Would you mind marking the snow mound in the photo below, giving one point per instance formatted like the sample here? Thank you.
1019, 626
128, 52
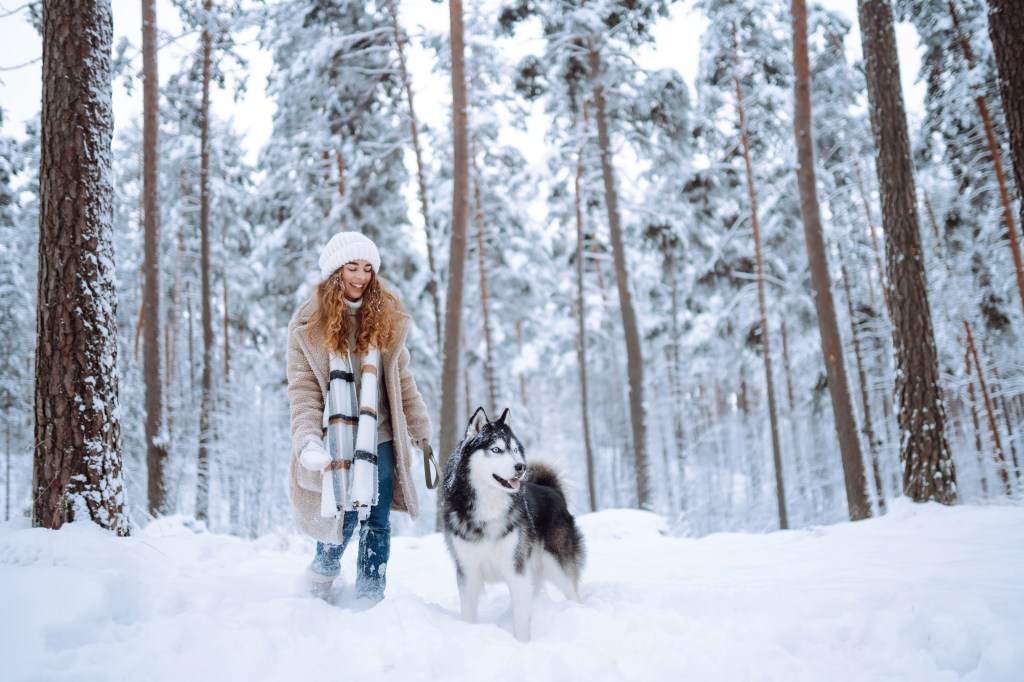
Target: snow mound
619, 524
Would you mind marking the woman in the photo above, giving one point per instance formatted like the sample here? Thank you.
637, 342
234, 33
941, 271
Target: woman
354, 409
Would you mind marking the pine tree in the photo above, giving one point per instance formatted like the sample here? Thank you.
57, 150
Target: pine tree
929, 472
156, 451
77, 468
817, 255
457, 245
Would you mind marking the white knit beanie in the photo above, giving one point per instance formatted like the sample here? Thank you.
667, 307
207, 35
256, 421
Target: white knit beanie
346, 247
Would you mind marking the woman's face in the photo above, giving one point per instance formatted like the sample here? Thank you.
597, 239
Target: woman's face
355, 277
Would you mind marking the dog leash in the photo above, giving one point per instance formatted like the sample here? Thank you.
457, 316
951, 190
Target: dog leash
428, 460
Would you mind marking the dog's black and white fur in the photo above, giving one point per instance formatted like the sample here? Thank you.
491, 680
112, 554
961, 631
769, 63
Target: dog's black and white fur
505, 521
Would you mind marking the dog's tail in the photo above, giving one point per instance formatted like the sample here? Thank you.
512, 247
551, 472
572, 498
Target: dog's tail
548, 475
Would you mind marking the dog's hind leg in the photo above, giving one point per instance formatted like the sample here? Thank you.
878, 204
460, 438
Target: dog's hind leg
520, 588
568, 583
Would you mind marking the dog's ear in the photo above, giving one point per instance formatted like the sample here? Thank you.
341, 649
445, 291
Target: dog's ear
476, 422
505, 418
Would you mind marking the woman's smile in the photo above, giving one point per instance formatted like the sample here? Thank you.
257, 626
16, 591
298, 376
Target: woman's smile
355, 276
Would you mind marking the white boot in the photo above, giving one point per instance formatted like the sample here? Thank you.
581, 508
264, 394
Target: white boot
319, 585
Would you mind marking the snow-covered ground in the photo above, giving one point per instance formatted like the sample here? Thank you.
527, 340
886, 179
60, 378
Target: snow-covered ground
925, 593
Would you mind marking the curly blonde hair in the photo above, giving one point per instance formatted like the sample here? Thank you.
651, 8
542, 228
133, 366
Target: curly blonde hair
378, 316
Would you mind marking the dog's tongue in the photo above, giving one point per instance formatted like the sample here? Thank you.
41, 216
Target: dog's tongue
513, 483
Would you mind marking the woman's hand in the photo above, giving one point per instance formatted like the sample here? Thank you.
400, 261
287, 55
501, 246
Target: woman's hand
419, 443
314, 457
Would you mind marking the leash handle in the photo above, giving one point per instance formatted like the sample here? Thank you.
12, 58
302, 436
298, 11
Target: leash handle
428, 460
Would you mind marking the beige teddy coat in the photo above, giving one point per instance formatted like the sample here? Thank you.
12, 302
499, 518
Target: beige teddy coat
308, 364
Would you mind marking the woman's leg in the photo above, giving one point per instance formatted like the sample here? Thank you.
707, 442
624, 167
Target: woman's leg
375, 532
327, 562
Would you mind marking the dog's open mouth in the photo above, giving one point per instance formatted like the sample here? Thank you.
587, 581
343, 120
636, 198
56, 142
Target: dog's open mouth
512, 483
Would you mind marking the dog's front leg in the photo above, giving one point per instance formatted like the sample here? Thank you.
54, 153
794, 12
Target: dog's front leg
470, 584
520, 588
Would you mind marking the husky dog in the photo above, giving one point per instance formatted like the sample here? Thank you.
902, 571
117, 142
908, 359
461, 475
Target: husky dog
507, 522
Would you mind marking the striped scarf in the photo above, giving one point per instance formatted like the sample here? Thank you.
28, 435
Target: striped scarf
350, 425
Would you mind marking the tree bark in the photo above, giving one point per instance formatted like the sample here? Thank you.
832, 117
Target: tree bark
773, 414
929, 472
634, 354
206, 401
156, 449
457, 244
76, 471
857, 501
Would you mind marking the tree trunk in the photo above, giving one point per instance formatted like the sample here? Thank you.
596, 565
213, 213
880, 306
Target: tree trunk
421, 180
798, 457
675, 375
977, 426
773, 415
857, 500
581, 337
478, 213
634, 354
457, 246
997, 163
929, 472
76, 472
206, 402
865, 396
156, 448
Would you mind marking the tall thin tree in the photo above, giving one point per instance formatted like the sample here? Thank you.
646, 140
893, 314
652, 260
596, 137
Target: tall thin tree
156, 450
206, 402
634, 353
928, 469
766, 347
457, 244
76, 472
581, 329
857, 501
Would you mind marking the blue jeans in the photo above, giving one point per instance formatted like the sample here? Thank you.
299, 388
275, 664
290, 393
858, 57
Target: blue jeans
374, 535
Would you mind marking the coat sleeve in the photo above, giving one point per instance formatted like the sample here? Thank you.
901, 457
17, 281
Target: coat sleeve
304, 395
415, 410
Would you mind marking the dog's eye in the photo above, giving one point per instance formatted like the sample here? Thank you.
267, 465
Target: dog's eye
495, 449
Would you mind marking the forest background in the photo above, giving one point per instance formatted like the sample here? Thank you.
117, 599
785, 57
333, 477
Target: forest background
325, 144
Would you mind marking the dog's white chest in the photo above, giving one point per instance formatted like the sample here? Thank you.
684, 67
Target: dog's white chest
491, 560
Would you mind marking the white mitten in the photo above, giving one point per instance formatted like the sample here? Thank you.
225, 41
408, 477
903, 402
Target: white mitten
314, 457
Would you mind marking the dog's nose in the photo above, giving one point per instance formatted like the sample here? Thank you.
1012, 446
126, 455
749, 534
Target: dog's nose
520, 468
